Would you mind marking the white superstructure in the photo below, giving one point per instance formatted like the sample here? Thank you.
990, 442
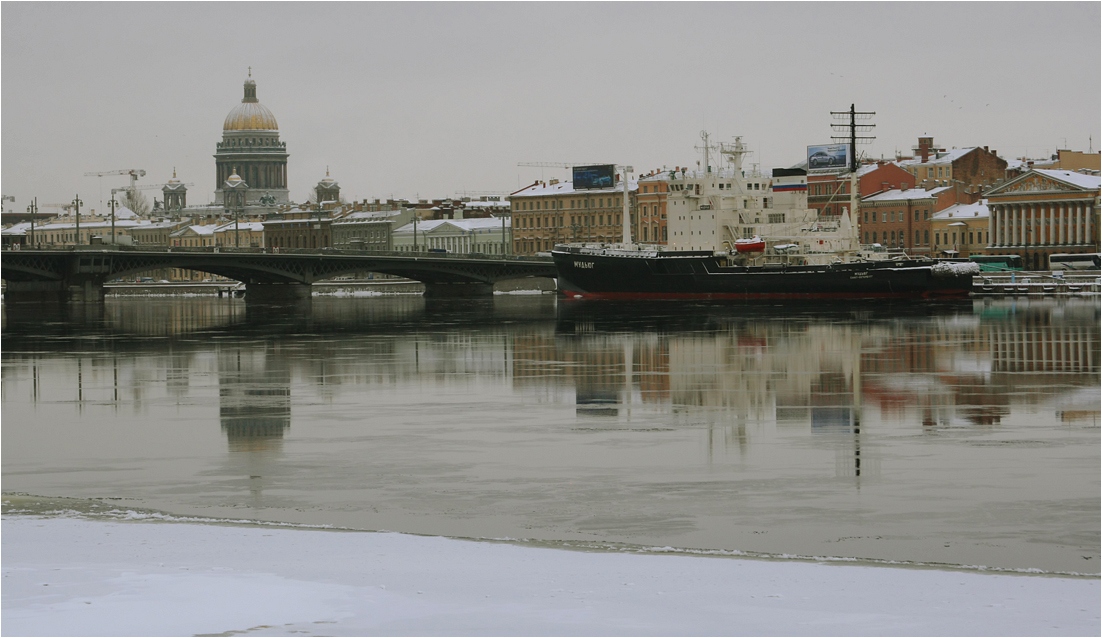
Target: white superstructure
710, 209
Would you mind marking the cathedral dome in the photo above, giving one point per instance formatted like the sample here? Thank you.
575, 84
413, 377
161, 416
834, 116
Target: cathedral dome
250, 115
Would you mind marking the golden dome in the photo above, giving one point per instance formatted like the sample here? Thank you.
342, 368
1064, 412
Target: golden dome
250, 115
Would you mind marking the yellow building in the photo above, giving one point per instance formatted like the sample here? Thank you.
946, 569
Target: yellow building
547, 213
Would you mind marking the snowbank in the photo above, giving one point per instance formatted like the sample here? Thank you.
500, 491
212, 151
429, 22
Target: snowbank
80, 577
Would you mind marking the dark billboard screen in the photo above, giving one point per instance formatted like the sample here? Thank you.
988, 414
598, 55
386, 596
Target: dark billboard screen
600, 176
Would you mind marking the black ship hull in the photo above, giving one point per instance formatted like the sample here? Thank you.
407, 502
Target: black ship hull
701, 275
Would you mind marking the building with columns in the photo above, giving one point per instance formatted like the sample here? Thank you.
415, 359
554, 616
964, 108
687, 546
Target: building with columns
250, 147
1043, 212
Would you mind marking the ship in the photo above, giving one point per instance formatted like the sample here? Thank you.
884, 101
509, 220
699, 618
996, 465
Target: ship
740, 234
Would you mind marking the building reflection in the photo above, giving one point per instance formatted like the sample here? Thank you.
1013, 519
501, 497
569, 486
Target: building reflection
970, 367
254, 409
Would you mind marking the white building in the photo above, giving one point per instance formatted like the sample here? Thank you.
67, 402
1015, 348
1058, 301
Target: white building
486, 236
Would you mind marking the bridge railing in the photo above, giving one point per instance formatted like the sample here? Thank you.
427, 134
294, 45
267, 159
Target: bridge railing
291, 251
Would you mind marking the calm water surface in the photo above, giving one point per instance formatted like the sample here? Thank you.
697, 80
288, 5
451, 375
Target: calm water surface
963, 434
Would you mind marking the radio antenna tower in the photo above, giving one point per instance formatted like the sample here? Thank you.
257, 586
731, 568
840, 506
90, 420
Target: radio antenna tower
853, 128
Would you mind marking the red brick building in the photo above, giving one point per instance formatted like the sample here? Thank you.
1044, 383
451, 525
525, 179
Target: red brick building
899, 218
974, 168
828, 194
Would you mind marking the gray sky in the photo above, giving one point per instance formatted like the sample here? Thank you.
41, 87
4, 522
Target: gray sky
430, 99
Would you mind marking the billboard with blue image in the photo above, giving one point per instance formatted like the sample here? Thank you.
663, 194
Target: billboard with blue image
828, 158
598, 176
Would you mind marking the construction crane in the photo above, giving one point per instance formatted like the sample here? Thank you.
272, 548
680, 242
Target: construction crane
67, 207
134, 174
143, 187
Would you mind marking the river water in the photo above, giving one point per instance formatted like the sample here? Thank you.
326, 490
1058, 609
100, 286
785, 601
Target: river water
963, 433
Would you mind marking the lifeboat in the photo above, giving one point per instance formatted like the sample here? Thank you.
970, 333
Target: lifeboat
753, 245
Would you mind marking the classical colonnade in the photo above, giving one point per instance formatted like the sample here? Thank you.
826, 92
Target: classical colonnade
1046, 349
1043, 223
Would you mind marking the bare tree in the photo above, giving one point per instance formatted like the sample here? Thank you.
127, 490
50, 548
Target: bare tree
135, 201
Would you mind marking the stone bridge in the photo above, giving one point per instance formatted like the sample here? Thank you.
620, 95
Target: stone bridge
79, 274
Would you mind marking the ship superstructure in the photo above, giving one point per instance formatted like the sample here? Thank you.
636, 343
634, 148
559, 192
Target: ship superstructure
712, 208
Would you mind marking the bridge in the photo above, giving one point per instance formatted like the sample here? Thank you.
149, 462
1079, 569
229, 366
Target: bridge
79, 274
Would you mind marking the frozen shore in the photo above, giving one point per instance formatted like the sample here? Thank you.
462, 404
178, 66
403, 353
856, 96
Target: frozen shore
67, 576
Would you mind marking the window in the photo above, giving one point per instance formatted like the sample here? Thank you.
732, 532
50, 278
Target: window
926, 237
916, 237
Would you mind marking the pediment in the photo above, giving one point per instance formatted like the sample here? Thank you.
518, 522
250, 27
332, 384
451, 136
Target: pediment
1034, 183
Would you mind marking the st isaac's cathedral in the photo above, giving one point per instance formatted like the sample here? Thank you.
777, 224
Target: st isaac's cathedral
250, 160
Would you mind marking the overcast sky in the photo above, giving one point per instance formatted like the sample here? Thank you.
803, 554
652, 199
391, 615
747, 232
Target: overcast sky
431, 100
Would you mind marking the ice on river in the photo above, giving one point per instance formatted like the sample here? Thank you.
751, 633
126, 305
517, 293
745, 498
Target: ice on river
66, 576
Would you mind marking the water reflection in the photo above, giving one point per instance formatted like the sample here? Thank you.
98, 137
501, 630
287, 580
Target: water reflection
939, 366
704, 425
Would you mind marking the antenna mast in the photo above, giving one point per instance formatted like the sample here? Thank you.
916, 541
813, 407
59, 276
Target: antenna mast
853, 128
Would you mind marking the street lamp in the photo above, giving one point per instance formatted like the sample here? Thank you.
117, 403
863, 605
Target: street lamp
112, 203
32, 208
77, 203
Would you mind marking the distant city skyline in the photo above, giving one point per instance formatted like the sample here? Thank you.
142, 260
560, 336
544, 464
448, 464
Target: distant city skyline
434, 100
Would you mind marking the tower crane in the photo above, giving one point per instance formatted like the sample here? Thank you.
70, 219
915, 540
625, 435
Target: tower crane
67, 207
134, 174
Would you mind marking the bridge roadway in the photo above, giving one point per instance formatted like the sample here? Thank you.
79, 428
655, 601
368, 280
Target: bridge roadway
79, 274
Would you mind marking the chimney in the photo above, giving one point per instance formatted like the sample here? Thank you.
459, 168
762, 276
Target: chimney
924, 144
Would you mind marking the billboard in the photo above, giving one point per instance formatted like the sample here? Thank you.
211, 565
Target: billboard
599, 176
829, 158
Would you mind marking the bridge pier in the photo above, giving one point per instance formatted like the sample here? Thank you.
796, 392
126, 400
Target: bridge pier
65, 291
277, 293
458, 290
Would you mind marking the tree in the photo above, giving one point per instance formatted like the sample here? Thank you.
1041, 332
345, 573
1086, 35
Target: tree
135, 201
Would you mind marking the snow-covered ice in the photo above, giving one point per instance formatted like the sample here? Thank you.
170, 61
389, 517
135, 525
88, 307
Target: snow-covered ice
71, 576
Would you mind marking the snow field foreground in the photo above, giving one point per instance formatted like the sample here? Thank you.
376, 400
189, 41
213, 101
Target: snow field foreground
65, 576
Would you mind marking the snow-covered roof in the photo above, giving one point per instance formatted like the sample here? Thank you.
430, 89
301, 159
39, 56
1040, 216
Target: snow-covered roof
196, 229
463, 225
978, 210
567, 188
21, 228
145, 224
900, 195
1071, 177
947, 157
59, 226
368, 216
250, 226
